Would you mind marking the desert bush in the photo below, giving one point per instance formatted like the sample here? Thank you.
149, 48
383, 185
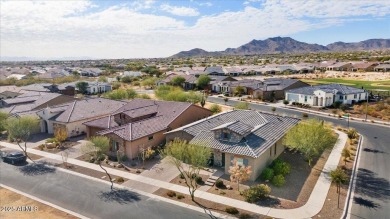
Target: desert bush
231, 210
245, 216
181, 176
352, 133
219, 183
278, 180
267, 174
256, 192
281, 168
343, 107
180, 196
305, 115
215, 108
41, 147
198, 180
334, 111
171, 193
286, 102
120, 180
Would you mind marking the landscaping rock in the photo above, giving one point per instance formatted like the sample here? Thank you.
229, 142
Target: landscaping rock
119, 165
229, 187
112, 164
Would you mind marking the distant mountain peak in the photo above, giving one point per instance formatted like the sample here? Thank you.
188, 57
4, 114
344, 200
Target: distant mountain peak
288, 45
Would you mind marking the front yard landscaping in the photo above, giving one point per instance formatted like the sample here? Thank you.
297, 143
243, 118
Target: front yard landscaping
54, 147
200, 179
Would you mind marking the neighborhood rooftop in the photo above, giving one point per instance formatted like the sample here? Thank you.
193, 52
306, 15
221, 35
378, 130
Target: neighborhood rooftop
259, 130
329, 88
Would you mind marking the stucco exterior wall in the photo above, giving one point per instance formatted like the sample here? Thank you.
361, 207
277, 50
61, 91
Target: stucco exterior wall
192, 114
257, 164
132, 148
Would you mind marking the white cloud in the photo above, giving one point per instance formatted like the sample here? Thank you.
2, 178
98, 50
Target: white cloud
179, 10
71, 29
208, 4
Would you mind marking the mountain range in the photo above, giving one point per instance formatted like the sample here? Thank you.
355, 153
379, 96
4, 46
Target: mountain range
288, 45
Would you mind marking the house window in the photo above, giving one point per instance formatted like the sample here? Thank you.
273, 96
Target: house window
341, 97
345, 97
225, 135
360, 96
355, 96
150, 138
305, 98
240, 161
115, 146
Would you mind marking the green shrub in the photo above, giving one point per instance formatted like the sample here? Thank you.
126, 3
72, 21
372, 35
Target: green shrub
267, 174
245, 216
51, 140
41, 147
124, 158
273, 109
231, 210
171, 193
278, 180
198, 180
219, 183
281, 168
215, 108
180, 196
222, 193
343, 107
256, 192
181, 176
286, 102
120, 180
305, 115
242, 106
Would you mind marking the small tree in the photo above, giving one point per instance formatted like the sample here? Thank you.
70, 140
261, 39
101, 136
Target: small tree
242, 106
3, 119
20, 130
346, 153
98, 146
178, 81
203, 81
225, 100
339, 177
145, 153
273, 109
82, 86
239, 173
239, 90
215, 108
286, 102
195, 157
310, 137
60, 135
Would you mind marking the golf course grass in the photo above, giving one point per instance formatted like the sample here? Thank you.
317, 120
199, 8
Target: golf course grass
368, 85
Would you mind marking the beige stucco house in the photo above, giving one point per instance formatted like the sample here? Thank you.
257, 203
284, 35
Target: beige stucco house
250, 137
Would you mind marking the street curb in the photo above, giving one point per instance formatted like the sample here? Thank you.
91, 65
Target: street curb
150, 195
352, 182
44, 202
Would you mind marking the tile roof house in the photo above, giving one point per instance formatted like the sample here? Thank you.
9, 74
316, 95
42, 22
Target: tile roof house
73, 114
142, 123
216, 70
31, 101
189, 83
252, 138
274, 88
326, 94
382, 67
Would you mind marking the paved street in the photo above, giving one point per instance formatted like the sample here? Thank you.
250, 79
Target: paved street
88, 197
372, 194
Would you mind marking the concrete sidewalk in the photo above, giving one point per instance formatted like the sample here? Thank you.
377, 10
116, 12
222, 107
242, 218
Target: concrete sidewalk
311, 208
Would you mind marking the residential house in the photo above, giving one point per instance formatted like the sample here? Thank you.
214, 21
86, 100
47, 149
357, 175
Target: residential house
90, 72
326, 95
189, 83
234, 71
8, 94
65, 89
142, 123
98, 87
382, 67
339, 66
132, 73
71, 115
274, 88
248, 85
363, 66
32, 101
218, 83
249, 137
216, 70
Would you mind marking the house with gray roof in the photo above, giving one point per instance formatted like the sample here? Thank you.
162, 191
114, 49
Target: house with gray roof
216, 70
72, 114
326, 94
249, 137
274, 88
141, 123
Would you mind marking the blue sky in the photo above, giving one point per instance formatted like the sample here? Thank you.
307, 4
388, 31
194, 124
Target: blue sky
152, 28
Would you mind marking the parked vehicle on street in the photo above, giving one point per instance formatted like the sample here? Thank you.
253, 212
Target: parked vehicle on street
13, 157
